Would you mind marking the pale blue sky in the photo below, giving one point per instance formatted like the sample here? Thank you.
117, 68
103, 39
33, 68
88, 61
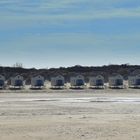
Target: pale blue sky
53, 33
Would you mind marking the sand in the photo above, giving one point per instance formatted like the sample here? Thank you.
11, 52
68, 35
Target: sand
70, 115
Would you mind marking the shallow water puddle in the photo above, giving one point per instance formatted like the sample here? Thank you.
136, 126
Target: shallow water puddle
79, 100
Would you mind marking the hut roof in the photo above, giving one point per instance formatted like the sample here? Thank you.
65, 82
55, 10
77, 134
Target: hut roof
116, 75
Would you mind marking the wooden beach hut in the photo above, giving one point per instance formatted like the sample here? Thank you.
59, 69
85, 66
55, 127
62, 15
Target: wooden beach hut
2, 81
58, 82
97, 82
77, 82
116, 81
37, 82
17, 82
134, 81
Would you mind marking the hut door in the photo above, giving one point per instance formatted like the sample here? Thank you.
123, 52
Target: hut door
59, 83
39, 83
18, 83
99, 82
79, 82
137, 81
119, 82
1, 83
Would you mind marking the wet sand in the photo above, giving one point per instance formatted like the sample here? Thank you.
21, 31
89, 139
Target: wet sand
70, 115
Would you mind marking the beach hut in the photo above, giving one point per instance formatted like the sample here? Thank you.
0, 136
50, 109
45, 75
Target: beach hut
17, 82
77, 82
58, 82
134, 81
2, 81
37, 82
116, 81
96, 81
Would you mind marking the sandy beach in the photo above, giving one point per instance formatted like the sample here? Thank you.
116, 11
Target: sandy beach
70, 115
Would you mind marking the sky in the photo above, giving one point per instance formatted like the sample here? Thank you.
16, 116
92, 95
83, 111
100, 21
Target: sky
62, 33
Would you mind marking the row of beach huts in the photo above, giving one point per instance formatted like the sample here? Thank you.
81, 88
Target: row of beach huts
58, 82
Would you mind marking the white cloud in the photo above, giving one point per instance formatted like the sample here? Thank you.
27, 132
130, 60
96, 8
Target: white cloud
66, 9
27, 13
85, 15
